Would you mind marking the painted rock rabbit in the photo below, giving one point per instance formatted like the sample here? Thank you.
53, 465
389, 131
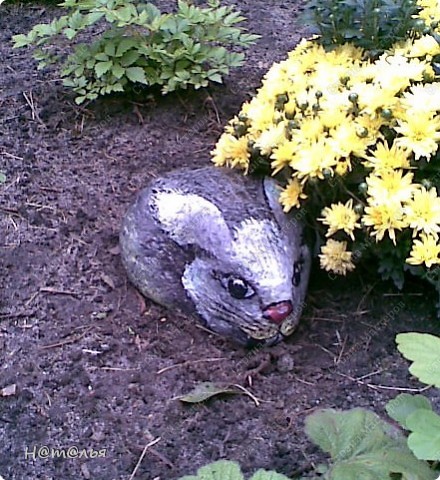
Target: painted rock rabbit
215, 243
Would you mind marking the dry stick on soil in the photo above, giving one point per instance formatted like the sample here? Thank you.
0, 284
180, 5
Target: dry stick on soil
30, 101
72, 339
189, 362
385, 387
144, 452
248, 393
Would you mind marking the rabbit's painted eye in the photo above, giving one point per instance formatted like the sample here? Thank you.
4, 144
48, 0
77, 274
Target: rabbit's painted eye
237, 287
297, 269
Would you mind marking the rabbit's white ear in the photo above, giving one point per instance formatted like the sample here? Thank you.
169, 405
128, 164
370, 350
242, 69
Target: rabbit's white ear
190, 219
272, 190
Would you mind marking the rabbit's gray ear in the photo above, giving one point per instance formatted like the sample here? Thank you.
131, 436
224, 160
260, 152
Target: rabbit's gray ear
190, 219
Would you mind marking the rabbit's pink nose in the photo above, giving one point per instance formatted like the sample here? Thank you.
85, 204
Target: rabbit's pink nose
277, 312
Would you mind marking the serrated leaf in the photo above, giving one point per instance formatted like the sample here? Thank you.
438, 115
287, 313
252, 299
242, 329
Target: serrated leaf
401, 407
102, 67
117, 70
268, 475
20, 40
362, 445
124, 45
205, 390
423, 350
424, 439
221, 470
69, 33
136, 74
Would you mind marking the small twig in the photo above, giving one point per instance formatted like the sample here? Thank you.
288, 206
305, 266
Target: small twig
30, 101
189, 362
385, 387
72, 339
248, 393
11, 156
56, 291
144, 452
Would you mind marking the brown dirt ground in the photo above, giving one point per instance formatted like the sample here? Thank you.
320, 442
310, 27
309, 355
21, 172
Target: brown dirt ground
83, 350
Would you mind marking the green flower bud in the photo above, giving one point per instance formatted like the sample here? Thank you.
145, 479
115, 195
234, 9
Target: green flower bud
386, 113
239, 129
358, 208
292, 125
353, 97
427, 183
318, 94
362, 132
315, 107
363, 187
303, 105
328, 173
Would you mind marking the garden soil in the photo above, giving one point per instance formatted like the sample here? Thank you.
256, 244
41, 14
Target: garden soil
85, 362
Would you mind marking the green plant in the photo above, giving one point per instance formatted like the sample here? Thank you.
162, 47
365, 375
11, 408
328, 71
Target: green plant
414, 412
362, 445
374, 25
135, 43
353, 140
226, 470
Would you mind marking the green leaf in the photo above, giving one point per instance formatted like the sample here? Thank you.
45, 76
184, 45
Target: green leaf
110, 48
102, 67
215, 77
117, 70
363, 446
424, 350
424, 440
69, 33
221, 470
129, 58
136, 74
2, 177
124, 45
205, 390
20, 40
268, 475
401, 407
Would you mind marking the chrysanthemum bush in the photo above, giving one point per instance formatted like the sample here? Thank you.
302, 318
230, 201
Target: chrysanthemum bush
354, 139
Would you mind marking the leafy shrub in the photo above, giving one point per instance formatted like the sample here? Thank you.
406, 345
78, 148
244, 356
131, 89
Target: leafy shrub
354, 139
371, 24
226, 470
362, 445
414, 412
139, 44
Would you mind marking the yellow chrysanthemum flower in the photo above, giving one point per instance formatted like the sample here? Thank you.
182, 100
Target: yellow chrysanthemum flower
423, 211
282, 155
231, 151
426, 250
384, 218
290, 197
384, 158
426, 45
420, 133
340, 217
312, 160
425, 98
261, 114
390, 186
345, 140
271, 138
335, 258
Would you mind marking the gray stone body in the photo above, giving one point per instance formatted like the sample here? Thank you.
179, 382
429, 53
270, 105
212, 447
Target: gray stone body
216, 244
